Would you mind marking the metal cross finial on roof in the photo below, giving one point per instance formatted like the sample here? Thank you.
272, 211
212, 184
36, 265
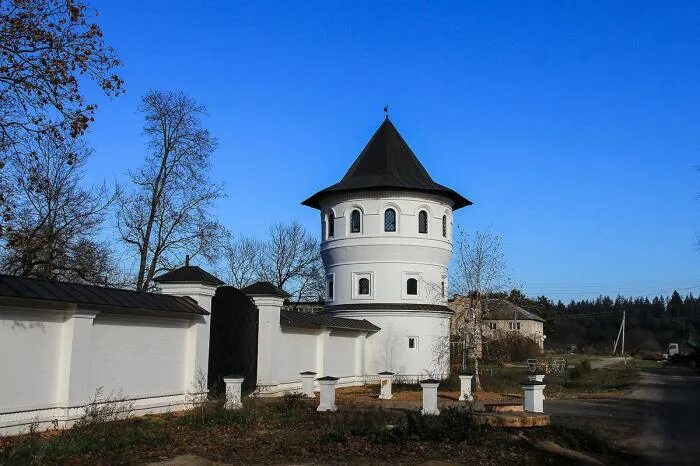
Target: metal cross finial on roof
386, 112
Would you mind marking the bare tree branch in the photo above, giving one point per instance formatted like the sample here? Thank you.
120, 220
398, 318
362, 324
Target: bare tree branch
53, 234
479, 271
166, 214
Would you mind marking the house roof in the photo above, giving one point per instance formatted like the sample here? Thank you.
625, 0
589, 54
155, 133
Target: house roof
305, 319
92, 295
500, 309
188, 274
387, 163
264, 289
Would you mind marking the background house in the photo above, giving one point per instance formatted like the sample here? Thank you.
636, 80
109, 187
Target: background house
501, 316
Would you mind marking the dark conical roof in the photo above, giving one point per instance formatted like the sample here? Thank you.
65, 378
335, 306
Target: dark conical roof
387, 162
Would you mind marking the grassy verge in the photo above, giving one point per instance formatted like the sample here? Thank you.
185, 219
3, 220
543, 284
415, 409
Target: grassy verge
290, 430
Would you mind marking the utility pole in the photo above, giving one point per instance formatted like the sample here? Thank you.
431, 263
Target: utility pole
621, 332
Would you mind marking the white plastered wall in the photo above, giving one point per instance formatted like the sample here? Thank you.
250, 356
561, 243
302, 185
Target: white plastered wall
284, 352
55, 357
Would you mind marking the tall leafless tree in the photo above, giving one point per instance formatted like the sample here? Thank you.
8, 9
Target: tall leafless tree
479, 270
291, 259
166, 214
53, 234
49, 49
243, 257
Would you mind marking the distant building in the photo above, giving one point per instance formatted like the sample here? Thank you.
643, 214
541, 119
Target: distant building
501, 316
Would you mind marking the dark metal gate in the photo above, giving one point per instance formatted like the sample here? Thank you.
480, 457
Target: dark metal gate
233, 341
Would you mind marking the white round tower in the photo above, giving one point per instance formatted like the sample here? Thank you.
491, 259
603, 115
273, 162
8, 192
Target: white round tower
386, 245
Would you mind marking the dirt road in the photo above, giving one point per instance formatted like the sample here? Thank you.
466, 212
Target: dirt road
660, 419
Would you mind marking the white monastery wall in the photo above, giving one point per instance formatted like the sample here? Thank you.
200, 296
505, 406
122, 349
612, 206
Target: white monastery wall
55, 357
285, 352
139, 356
28, 358
295, 352
339, 360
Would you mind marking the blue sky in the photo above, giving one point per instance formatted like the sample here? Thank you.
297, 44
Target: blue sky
572, 126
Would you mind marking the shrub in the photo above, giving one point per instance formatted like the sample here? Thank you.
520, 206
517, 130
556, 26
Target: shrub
583, 368
510, 347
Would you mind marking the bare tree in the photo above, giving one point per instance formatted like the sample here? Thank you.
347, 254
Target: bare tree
53, 234
479, 270
291, 260
243, 257
166, 214
47, 49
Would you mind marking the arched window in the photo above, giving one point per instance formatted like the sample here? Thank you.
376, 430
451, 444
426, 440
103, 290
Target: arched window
444, 226
331, 224
363, 286
423, 222
355, 221
389, 220
412, 286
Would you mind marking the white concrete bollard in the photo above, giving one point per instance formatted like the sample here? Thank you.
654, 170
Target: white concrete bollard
534, 397
430, 387
327, 397
233, 392
307, 383
385, 380
465, 385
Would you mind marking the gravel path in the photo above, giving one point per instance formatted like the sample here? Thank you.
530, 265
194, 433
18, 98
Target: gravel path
659, 419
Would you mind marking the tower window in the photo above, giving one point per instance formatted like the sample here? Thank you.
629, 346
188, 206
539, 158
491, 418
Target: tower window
444, 226
331, 225
412, 286
363, 286
355, 221
412, 342
443, 288
329, 286
389, 220
423, 222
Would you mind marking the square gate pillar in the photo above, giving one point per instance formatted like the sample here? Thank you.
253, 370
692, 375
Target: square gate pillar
233, 392
430, 387
327, 397
385, 380
307, 383
465, 387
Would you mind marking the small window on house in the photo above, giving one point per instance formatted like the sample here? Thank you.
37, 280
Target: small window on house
492, 325
517, 325
444, 226
389, 220
412, 286
412, 342
363, 286
329, 286
423, 222
331, 225
355, 221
